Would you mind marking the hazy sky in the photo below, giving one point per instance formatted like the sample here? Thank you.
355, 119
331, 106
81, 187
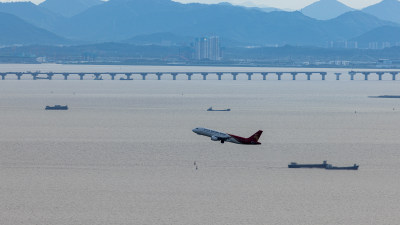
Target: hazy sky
284, 4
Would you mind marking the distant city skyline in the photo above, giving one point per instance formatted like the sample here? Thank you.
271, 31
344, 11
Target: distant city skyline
282, 4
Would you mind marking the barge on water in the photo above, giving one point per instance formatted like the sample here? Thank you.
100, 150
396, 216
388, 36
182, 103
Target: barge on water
323, 165
296, 165
57, 107
218, 110
330, 167
385, 96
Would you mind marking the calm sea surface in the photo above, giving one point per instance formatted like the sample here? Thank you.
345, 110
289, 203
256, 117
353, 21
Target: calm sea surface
124, 153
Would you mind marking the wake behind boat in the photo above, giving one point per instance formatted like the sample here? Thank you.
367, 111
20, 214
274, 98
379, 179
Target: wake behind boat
218, 110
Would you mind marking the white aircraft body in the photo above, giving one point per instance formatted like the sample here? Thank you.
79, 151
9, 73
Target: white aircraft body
222, 137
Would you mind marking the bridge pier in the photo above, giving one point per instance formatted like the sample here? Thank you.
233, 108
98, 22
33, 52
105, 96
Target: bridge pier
279, 74
264, 76
380, 75
50, 76
394, 74
174, 75
308, 75
112, 75
19, 75
323, 74
34, 76
128, 76
3, 76
220, 76
189, 75
352, 74
234, 75
97, 76
159, 75
65, 76
366, 74
294, 75
144, 75
81, 75
249, 75
204, 76
338, 76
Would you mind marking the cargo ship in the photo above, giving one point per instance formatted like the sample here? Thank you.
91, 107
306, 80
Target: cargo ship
57, 107
218, 110
330, 167
296, 165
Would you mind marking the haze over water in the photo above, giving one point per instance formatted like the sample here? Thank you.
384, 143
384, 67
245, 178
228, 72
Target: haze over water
124, 153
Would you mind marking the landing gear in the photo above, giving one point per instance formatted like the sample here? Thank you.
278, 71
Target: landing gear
222, 141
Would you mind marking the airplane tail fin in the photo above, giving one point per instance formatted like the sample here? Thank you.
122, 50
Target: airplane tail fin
256, 136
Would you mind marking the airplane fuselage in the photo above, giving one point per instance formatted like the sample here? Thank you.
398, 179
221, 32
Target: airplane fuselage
224, 137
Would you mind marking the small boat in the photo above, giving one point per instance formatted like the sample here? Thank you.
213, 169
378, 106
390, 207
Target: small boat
330, 167
296, 165
57, 107
122, 78
218, 110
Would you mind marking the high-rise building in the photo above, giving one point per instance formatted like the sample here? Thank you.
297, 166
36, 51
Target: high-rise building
207, 48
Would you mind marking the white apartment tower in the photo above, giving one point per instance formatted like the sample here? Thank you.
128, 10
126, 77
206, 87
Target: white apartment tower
207, 48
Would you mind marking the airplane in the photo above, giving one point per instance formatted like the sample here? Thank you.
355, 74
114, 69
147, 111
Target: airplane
222, 137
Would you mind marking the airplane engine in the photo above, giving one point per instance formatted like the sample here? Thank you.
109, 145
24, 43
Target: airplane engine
214, 138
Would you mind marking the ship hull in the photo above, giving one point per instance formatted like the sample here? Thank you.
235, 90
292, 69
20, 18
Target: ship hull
342, 168
307, 166
56, 108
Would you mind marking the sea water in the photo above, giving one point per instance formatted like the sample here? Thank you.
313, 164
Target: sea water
125, 152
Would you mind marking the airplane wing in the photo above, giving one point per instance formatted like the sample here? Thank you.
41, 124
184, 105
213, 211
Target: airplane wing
219, 138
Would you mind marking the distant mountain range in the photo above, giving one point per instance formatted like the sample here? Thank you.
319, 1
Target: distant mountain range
355, 23
16, 31
326, 9
165, 22
121, 19
168, 39
385, 10
380, 36
33, 14
117, 20
69, 8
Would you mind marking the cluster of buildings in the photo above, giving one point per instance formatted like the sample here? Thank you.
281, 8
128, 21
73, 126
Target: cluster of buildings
364, 45
207, 48
381, 45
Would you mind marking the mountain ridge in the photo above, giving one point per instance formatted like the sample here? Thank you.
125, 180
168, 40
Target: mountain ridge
386, 10
326, 9
17, 31
136, 20
382, 35
32, 13
123, 19
68, 8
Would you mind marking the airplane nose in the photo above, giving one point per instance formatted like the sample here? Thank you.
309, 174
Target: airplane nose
194, 130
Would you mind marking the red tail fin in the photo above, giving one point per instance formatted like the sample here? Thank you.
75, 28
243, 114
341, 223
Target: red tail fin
256, 136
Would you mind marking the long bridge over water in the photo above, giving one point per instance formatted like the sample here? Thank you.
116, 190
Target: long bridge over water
38, 75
